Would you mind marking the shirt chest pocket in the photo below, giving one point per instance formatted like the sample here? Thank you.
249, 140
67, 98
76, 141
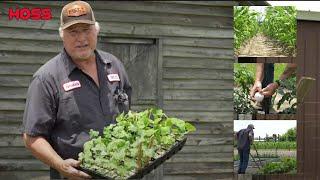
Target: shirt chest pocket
68, 111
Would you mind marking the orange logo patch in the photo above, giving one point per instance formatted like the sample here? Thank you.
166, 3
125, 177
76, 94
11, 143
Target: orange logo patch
77, 10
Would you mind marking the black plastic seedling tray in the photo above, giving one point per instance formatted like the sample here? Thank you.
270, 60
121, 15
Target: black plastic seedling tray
147, 169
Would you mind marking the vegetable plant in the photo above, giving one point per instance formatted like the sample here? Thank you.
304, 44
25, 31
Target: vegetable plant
243, 80
289, 93
280, 23
286, 165
276, 145
137, 138
245, 24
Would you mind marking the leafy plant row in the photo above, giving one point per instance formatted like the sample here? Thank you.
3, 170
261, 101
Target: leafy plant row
286, 165
275, 145
280, 23
245, 24
126, 147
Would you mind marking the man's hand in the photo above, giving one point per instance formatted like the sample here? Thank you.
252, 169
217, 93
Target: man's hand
67, 169
255, 88
269, 90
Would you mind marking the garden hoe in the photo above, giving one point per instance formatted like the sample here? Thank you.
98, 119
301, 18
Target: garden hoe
260, 163
254, 160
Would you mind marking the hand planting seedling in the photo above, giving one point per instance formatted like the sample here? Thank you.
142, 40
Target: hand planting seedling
128, 146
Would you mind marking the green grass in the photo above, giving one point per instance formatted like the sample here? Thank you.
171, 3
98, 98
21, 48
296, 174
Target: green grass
278, 69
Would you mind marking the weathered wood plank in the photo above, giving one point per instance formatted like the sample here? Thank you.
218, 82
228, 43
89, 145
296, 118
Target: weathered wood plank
149, 18
145, 6
206, 149
200, 52
199, 73
30, 46
165, 19
15, 81
22, 69
11, 129
11, 116
11, 141
196, 84
13, 93
21, 175
194, 106
202, 128
198, 168
15, 153
22, 164
204, 3
16, 104
144, 30
207, 63
206, 140
171, 94
202, 116
141, 107
16, 57
213, 128
20, 33
201, 157
164, 30
199, 42
52, 35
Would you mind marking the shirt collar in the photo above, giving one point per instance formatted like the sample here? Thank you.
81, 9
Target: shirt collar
70, 65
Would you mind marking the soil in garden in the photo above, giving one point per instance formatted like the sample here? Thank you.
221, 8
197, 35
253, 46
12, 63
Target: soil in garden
261, 46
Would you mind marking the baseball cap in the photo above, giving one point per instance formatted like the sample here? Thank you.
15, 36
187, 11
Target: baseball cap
251, 126
76, 12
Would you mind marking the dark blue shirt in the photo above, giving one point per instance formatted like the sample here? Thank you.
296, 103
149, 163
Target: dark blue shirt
243, 138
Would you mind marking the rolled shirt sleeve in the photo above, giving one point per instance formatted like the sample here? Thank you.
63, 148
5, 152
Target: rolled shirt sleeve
40, 110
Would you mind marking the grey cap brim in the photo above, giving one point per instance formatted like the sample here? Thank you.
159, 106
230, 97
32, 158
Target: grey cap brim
66, 25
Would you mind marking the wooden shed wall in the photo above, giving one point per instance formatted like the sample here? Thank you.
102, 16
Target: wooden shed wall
308, 115
197, 56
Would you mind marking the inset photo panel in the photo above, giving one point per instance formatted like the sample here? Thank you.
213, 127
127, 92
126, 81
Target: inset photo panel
265, 91
262, 149
265, 31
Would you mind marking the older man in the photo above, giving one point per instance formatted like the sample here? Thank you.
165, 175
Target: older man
81, 88
244, 140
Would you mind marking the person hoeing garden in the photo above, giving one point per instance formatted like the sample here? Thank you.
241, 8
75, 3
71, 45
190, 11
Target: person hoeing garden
244, 139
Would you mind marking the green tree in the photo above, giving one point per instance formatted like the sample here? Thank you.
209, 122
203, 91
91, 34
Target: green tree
290, 135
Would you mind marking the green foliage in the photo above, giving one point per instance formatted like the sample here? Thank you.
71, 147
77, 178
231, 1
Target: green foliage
290, 135
245, 24
236, 157
243, 81
280, 23
289, 92
126, 147
275, 145
286, 165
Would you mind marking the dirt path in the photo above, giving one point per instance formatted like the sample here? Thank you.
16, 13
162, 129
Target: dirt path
261, 46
